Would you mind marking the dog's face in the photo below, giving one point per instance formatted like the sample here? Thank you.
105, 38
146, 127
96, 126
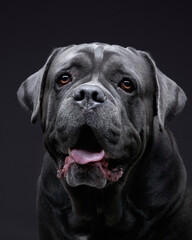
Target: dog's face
97, 105
94, 112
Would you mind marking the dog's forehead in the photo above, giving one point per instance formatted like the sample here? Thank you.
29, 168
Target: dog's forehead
106, 57
99, 52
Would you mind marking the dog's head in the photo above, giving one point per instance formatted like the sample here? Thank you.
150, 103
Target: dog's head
97, 104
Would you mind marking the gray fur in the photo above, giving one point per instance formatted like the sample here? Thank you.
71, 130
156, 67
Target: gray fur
150, 201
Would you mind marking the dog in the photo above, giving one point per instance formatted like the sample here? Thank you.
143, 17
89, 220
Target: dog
111, 169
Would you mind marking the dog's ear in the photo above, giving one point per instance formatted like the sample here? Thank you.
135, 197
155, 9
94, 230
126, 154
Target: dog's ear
30, 92
170, 98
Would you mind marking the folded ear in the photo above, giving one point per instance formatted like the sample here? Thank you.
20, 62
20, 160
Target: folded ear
30, 91
170, 98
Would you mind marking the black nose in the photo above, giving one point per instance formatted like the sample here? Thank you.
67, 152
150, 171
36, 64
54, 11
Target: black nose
89, 96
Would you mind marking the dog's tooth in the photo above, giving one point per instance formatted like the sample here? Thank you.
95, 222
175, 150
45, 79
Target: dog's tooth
106, 155
69, 151
114, 170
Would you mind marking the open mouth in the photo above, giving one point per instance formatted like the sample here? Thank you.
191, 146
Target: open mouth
88, 153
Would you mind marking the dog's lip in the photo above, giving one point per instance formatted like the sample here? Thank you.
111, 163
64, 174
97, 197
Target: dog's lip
99, 159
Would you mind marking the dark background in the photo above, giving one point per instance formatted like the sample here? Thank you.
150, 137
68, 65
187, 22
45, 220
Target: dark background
28, 33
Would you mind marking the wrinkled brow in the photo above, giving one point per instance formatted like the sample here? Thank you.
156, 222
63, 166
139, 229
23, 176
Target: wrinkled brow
73, 60
114, 67
80, 60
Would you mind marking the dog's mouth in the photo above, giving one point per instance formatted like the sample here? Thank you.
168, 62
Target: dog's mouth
88, 153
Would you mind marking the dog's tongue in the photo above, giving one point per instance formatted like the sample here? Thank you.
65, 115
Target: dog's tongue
83, 157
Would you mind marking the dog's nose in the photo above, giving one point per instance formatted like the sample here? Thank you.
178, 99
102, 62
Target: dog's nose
89, 96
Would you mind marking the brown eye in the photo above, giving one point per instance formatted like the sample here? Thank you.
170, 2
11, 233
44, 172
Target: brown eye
64, 79
127, 85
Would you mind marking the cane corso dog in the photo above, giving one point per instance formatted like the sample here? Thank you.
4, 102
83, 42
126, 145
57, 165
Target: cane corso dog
111, 169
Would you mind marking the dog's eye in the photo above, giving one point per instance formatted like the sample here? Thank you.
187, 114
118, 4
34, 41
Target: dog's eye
127, 85
64, 79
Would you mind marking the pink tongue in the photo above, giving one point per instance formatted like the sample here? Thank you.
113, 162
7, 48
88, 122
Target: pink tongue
84, 157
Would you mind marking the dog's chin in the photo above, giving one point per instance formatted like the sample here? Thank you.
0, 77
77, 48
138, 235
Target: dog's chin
89, 175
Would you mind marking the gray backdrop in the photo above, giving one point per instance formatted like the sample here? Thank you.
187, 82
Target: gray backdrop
28, 33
